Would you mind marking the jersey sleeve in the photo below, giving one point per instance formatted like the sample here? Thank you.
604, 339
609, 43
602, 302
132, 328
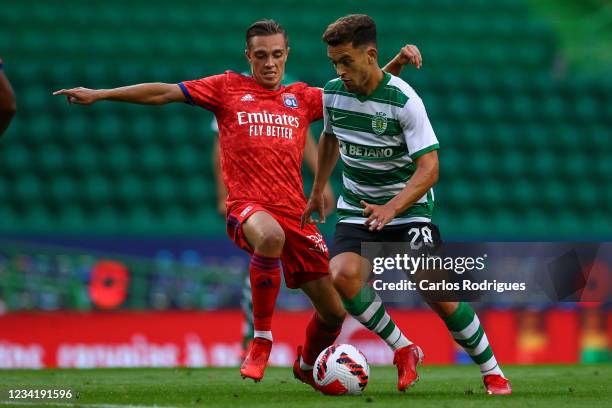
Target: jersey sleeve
417, 130
205, 92
314, 99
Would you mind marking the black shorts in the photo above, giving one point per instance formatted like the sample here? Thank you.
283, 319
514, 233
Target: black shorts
421, 236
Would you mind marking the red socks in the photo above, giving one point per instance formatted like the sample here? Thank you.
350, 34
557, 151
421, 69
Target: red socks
318, 336
265, 283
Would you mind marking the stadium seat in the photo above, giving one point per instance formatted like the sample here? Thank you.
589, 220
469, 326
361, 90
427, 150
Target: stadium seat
63, 190
97, 190
118, 159
27, 190
71, 217
15, 159
164, 190
8, 219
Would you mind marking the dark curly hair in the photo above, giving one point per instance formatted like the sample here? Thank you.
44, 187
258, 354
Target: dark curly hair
355, 29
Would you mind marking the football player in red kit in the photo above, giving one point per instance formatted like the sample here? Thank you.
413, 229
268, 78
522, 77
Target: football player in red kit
262, 130
7, 102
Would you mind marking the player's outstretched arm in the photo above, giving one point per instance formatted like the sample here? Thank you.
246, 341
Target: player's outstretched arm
326, 161
424, 178
155, 93
311, 159
8, 106
409, 54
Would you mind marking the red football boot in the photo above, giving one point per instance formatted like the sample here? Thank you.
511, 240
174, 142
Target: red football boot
304, 376
256, 359
407, 359
497, 385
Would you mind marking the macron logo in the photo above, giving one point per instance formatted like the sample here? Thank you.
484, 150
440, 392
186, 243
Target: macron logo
247, 98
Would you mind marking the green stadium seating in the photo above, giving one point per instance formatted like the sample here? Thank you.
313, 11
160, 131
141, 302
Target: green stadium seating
523, 149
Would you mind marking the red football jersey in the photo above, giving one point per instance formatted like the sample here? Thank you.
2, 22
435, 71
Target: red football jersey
262, 135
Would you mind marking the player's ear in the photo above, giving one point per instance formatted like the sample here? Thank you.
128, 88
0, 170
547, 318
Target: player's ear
372, 55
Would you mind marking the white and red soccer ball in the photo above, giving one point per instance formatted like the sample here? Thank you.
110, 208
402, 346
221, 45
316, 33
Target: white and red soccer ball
341, 369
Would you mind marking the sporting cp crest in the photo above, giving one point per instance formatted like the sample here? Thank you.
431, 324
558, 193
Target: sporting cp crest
379, 123
289, 100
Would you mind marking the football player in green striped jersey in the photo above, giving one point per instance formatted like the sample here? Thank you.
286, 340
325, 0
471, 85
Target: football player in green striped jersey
377, 124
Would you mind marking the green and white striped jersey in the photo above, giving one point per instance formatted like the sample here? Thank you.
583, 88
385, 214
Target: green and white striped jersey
380, 136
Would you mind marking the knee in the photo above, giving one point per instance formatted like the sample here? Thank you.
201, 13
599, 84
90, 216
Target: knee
270, 242
344, 278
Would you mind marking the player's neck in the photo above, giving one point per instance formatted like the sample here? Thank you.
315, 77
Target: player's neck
374, 81
270, 88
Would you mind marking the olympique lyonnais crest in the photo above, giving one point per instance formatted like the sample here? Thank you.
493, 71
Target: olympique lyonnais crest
290, 100
379, 123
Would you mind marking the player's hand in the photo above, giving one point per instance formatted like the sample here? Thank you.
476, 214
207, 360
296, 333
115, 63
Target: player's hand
378, 215
316, 203
79, 96
410, 54
330, 199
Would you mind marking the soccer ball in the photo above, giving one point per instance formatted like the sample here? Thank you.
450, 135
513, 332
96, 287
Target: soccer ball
341, 369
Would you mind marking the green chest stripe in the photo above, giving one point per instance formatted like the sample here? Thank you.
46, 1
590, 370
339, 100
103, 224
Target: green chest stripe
355, 199
379, 177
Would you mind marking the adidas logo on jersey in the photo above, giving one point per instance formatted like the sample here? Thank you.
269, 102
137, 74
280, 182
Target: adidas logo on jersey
247, 98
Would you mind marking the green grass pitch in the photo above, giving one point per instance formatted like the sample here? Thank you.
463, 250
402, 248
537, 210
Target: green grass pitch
440, 386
